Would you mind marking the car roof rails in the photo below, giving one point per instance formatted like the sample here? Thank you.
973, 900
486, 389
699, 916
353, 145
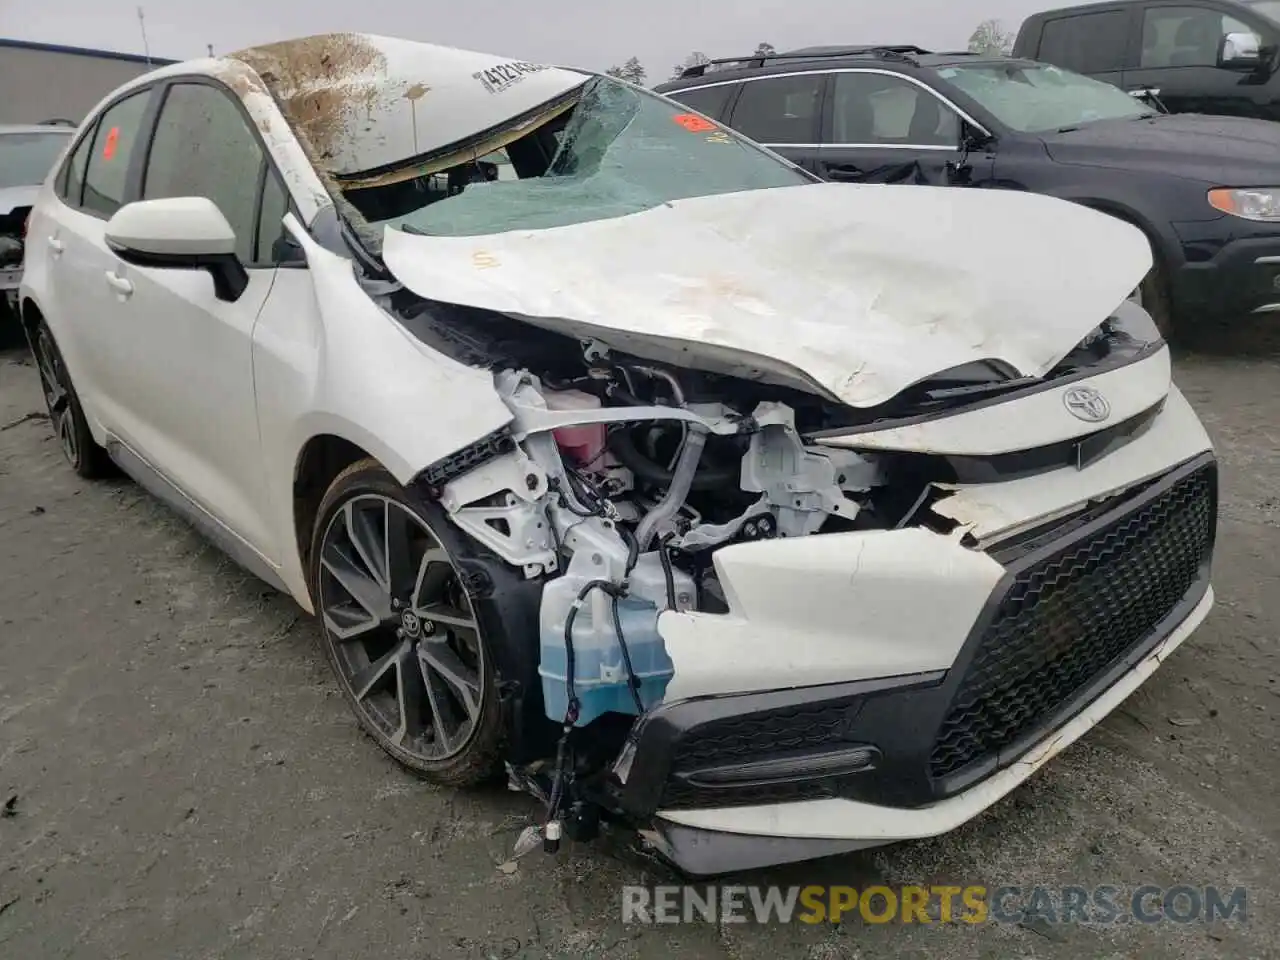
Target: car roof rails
903, 52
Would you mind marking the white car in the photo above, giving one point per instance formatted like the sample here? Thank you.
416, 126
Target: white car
26, 154
773, 517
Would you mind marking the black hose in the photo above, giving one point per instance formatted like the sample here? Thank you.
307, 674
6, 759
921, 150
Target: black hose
570, 660
553, 484
633, 682
624, 448
633, 550
667, 573
628, 399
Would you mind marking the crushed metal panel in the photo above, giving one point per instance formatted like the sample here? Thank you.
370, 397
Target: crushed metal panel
366, 103
993, 511
863, 290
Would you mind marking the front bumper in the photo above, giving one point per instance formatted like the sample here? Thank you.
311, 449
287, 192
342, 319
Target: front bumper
1226, 274
708, 842
1086, 608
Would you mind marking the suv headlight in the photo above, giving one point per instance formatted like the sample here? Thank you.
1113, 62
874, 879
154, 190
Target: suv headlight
1248, 203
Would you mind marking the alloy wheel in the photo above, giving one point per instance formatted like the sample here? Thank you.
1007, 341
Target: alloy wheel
402, 630
56, 385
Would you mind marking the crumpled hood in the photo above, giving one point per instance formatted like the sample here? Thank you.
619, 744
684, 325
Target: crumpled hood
13, 197
857, 291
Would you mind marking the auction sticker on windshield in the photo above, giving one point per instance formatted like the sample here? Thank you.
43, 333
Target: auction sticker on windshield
694, 123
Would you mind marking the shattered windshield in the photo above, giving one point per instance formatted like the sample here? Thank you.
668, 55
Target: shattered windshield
1037, 98
619, 150
26, 158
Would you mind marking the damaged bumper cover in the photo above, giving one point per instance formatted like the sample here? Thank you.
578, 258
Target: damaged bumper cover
714, 841
1022, 647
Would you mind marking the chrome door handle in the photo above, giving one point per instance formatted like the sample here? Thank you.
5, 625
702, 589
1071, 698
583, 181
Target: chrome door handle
119, 284
55, 245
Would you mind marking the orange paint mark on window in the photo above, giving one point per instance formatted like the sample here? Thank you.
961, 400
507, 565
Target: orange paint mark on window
693, 123
109, 147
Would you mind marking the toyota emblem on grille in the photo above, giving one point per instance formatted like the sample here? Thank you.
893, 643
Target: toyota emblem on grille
1087, 404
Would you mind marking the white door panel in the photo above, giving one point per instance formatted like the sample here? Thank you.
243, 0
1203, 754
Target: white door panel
186, 394
80, 312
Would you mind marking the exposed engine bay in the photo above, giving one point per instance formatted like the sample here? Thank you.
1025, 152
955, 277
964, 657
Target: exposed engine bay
626, 477
637, 477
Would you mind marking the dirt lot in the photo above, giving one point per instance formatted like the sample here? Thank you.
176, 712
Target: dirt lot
189, 783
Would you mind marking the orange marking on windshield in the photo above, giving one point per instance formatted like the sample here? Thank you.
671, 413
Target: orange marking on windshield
693, 123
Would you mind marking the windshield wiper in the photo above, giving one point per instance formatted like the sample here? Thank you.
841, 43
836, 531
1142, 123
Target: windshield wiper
971, 390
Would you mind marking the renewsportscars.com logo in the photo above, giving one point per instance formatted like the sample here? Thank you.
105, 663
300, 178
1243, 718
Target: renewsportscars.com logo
933, 904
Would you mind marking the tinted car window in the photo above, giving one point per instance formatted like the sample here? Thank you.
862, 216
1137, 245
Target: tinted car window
1185, 36
779, 109
872, 108
271, 232
107, 170
1089, 43
708, 100
27, 158
71, 176
203, 147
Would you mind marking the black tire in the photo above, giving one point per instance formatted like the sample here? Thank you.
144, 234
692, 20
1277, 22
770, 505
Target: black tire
476, 759
66, 416
1157, 301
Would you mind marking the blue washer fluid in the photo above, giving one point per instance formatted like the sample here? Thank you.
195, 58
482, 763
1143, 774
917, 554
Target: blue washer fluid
600, 675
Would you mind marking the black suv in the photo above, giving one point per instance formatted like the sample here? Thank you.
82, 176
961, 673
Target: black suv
1205, 190
1195, 56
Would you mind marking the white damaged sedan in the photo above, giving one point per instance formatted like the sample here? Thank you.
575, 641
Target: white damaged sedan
614, 453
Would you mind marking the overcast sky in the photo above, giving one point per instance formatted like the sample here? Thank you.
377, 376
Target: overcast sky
586, 33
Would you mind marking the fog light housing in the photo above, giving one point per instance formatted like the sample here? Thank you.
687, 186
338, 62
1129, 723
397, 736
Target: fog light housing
841, 762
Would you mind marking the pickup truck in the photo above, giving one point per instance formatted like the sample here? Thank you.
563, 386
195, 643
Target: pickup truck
1192, 56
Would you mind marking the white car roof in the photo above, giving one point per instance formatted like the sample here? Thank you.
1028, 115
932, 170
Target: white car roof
364, 102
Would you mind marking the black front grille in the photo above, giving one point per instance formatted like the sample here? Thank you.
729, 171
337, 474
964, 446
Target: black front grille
1066, 619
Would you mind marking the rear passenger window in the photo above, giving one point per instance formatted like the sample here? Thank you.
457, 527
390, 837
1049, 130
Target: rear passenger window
780, 109
71, 177
203, 147
871, 108
1089, 43
107, 171
708, 100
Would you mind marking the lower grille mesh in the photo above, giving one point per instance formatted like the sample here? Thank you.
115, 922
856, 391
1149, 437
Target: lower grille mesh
1068, 618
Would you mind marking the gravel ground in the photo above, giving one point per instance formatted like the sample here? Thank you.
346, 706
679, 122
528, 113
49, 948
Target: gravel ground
188, 782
